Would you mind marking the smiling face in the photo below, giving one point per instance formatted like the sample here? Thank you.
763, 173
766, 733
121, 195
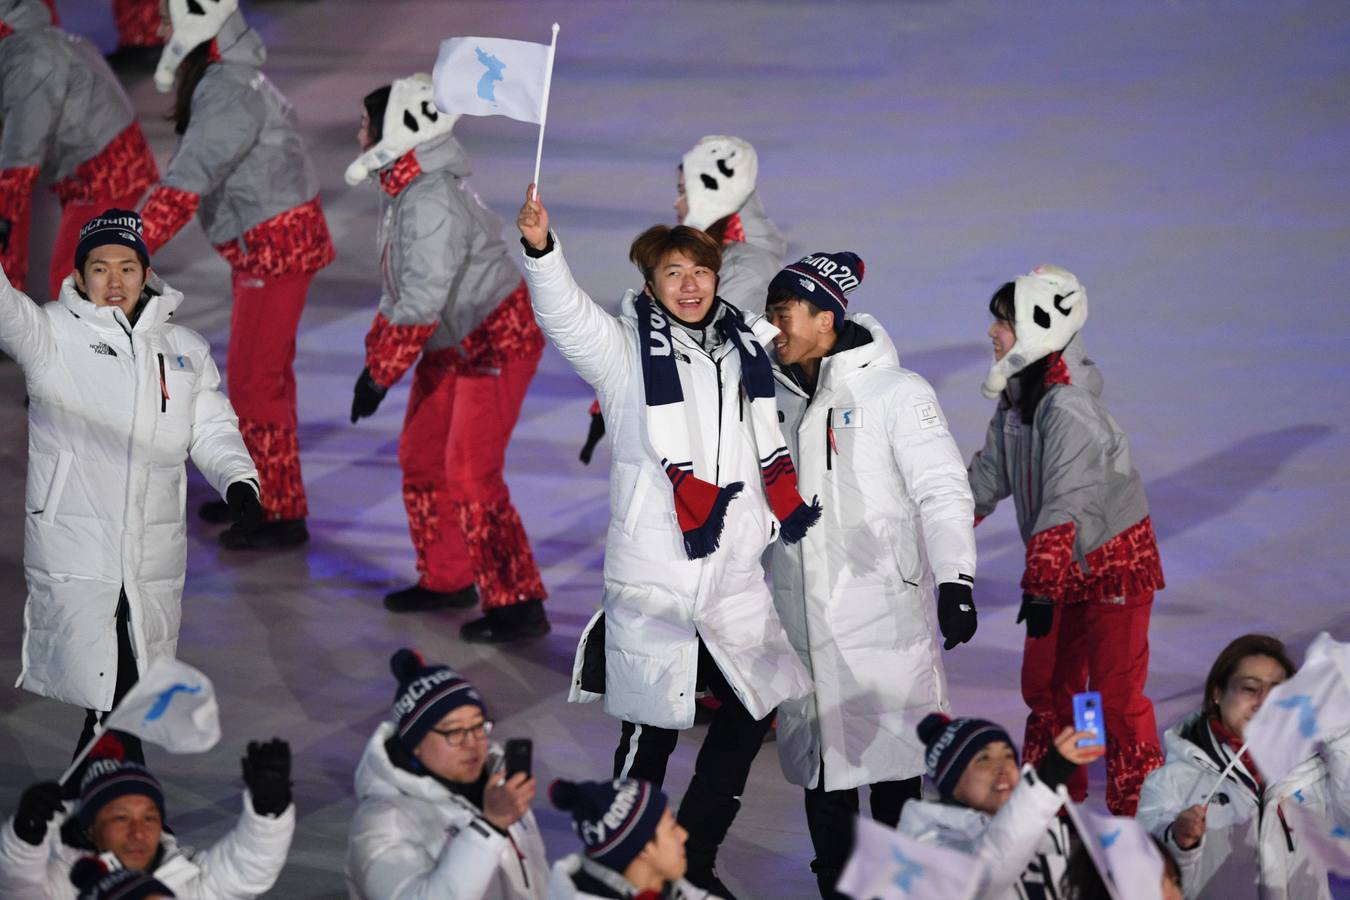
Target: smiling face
989, 779
462, 763
130, 828
113, 275
1003, 336
1246, 690
685, 288
804, 331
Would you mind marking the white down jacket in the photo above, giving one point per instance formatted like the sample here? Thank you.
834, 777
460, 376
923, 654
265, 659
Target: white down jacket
414, 839
1249, 848
243, 864
856, 594
106, 484
1021, 849
658, 602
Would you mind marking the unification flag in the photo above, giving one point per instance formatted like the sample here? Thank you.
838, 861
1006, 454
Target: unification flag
172, 705
1122, 851
887, 865
477, 76
1304, 711
1325, 842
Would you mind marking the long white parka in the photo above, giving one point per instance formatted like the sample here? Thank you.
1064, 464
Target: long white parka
1249, 848
114, 411
856, 594
657, 601
412, 838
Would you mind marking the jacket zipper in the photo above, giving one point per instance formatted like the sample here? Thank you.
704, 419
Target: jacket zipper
829, 439
163, 386
717, 470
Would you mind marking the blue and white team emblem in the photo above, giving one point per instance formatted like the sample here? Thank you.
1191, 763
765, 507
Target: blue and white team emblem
848, 417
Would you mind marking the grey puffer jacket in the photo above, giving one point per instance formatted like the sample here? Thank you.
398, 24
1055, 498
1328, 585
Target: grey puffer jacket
749, 265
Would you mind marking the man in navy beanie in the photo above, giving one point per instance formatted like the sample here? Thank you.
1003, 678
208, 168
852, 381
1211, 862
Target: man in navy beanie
856, 595
632, 847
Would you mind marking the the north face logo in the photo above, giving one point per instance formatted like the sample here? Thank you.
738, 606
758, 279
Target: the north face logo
808, 284
102, 349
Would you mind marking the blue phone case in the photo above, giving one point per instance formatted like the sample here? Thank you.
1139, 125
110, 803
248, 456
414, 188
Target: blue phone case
1087, 716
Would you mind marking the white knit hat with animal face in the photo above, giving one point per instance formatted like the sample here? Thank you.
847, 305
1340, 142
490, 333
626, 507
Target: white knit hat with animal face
1049, 307
719, 176
410, 119
193, 21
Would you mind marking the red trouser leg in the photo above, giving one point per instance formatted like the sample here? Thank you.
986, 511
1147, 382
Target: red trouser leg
1118, 668
484, 413
74, 215
261, 381
138, 23
442, 558
1054, 668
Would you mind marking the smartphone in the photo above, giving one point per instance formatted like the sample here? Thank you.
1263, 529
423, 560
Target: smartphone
1087, 716
519, 756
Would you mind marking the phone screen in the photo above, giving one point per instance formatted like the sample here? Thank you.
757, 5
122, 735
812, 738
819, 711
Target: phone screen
1087, 716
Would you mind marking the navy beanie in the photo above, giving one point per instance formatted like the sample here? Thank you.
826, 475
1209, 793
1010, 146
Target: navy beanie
95, 882
951, 745
112, 226
614, 819
108, 777
426, 694
824, 279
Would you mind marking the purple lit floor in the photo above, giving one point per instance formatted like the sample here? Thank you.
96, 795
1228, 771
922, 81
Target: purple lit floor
1186, 159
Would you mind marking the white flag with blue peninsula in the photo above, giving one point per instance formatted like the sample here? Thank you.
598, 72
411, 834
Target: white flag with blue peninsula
480, 76
887, 865
172, 705
1304, 711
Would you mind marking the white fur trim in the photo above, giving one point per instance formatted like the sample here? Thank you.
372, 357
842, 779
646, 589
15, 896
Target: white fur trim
719, 176
1061, 302
410, 119
189, 30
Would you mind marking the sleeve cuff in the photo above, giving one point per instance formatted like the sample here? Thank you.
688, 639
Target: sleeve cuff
537, 254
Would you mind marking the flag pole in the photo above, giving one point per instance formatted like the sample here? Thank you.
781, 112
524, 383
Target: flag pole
1224, 774
1089, 843
543, 108
99, 728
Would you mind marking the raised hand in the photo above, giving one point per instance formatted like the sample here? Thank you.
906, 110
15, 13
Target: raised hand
506, 801
1067, 745
533, 220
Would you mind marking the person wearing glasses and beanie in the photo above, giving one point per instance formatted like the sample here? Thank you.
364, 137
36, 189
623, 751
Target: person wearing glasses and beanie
436, 815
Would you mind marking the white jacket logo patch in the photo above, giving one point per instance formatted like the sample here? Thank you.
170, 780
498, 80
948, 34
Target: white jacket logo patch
102, 349
849, 417
927, 414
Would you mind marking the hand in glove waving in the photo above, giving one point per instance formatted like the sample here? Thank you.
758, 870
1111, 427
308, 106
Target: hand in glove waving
956, 613
267, 773
37, 807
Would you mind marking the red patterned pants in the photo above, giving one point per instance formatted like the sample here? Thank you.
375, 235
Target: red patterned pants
1100, 646
138, 23
261, 379
453, 453
74, 215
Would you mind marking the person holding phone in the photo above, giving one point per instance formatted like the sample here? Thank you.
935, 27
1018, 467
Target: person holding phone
1092, 562
436, 814
1002, 813
1242, 844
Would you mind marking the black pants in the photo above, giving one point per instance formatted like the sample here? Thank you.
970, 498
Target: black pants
831, 818
720, 771
126, 677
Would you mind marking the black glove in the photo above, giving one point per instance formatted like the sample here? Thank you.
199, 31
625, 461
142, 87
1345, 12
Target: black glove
38, 805
1039, 612
366, 396
6, 226
242, 498
597, 431
267, 772
956, 613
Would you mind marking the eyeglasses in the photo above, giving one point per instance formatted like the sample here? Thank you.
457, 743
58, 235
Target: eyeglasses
458, 737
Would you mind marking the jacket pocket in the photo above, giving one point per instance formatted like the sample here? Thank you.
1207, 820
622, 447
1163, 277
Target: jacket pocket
633, 487
60, 475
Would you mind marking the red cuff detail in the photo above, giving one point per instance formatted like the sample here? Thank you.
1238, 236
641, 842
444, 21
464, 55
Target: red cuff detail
508, 333
166, 211
16, 207
1049, 556
295, 242
391, 349
396, 177
124, 168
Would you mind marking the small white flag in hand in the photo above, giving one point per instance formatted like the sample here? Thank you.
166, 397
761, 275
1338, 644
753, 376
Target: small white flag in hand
172, 705
1122, 851
491, 77
1302, 712
1325, 842
888, 865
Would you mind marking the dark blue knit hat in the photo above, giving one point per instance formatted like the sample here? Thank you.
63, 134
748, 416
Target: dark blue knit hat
112, 226
426, 694
953, 743
95, 882
614, 819
824, 279
109, 776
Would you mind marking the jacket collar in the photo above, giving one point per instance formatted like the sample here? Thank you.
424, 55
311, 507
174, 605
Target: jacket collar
156, 311
378, 776
864, 344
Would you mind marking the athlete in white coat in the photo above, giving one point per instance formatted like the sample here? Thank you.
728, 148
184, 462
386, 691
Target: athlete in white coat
856, 594
436, 817
121, 817
120, 397
701, 482
1243, 844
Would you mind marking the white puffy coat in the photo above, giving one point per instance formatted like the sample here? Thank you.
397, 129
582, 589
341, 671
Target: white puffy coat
562, 887
657, 601
1021, 848
1247, 850
243, 864
856, 594
106, 485
412, 838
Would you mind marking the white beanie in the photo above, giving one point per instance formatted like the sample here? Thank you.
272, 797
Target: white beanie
1049, 308
410, 119
193, 22
719, 176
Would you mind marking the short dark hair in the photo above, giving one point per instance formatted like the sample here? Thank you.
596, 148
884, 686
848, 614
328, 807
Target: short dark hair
649, 247
780, 295
1001, 305
1230, 657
